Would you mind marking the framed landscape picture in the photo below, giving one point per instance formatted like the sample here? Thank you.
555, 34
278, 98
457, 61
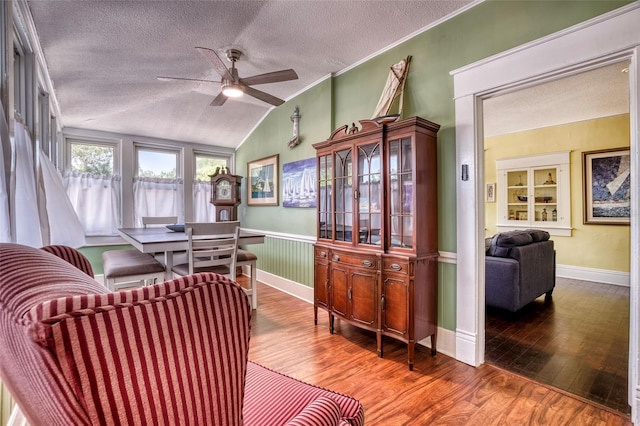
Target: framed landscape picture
607, 186
262, 182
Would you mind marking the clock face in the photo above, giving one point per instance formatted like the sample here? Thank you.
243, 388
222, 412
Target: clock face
223, 190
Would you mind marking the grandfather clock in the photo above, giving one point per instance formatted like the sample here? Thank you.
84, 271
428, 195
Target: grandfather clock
225, 195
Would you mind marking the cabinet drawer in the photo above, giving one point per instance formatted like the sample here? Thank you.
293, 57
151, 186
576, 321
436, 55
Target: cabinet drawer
322, 253
401, 266
360, 260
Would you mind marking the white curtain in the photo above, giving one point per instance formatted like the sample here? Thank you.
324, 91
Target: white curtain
65, 227
96, 200
5, 149
158, 197
26, 216
203, 210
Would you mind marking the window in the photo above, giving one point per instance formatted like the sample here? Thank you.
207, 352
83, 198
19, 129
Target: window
158, 189
92, 182
44, 123
3, 53
157, 163
205, 165
19, 82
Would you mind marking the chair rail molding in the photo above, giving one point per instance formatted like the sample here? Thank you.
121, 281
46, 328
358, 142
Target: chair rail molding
606, 39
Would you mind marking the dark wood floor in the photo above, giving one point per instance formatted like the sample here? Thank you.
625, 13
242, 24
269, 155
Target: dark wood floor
578, 341
439, 391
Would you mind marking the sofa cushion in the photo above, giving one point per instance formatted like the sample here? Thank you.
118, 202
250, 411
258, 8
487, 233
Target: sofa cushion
512, 239
538, 235
503, 242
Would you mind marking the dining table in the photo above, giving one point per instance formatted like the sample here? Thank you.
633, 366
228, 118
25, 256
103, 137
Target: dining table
162, 239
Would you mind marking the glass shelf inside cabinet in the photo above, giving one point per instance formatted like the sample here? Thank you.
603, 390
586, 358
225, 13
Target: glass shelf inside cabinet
517, 187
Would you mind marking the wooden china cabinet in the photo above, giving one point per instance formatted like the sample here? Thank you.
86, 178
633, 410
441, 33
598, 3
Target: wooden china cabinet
376, 255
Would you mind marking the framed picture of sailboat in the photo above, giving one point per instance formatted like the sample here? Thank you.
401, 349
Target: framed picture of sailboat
262, 182
607, 186
299, 183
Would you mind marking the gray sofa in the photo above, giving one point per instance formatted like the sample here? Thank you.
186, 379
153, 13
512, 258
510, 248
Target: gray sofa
520, 266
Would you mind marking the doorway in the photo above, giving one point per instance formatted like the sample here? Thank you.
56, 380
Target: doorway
543, 60
559, 341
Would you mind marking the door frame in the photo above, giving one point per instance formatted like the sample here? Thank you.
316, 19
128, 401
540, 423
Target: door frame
609, 38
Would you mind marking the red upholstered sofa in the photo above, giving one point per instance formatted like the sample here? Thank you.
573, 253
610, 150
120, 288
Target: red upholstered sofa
72, 353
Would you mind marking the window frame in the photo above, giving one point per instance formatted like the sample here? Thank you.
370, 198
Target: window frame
71, 140
198, 153
137, 147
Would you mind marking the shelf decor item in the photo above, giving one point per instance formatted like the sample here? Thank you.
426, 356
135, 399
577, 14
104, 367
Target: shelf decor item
607, 186
262, 182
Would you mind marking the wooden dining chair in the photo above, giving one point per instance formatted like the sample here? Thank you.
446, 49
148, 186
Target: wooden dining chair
213, 247
125, 268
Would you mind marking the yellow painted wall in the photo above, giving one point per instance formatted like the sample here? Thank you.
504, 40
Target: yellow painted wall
591, 246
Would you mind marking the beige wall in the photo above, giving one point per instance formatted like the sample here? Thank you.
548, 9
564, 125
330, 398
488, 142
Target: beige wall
591, 246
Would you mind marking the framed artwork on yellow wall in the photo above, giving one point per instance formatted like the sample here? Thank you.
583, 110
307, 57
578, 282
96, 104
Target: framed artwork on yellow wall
490, 194
607, 186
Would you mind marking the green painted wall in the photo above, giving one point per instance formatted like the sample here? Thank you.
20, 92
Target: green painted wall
271, 138
592, 246
486, 29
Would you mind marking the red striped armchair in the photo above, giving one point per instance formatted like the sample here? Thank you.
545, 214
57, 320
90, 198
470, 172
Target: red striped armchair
175, 353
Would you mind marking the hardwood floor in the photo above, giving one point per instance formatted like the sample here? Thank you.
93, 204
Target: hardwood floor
440, 390
577, 342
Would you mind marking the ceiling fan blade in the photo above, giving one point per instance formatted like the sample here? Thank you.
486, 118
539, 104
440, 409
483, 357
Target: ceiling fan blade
216, 62
270, 77
186, 79
219, 100
265, 97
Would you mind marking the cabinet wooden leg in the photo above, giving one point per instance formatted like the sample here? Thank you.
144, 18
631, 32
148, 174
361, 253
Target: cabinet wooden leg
379, 342
315, 315
433, 344
331, 320
411, 346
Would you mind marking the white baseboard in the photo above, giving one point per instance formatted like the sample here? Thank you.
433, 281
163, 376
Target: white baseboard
287, 286
592, 274
446, 342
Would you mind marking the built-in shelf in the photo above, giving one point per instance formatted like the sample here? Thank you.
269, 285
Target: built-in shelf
534, 192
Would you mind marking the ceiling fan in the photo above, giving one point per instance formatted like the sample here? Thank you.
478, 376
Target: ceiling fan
232, 85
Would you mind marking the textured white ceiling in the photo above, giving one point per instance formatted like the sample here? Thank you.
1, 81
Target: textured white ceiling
601, 92
104, 56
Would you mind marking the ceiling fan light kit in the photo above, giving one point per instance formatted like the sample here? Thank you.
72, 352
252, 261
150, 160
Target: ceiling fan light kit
232, 90
232, 85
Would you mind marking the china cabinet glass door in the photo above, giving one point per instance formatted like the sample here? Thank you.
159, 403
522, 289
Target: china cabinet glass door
369, 194
325, 213
344, 195
401, 193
